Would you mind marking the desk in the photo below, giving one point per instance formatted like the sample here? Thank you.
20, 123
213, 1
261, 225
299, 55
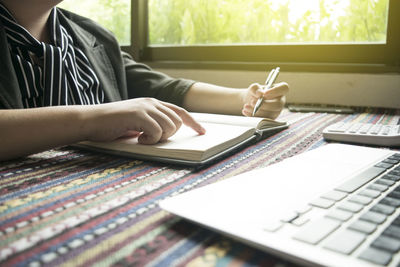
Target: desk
76, 208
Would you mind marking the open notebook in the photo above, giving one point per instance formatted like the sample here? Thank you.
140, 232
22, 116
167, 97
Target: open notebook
338, 205
225, 135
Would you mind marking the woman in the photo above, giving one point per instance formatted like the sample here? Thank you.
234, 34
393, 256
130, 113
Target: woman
63, 79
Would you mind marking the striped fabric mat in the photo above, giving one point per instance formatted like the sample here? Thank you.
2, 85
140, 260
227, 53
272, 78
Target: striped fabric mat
76, 208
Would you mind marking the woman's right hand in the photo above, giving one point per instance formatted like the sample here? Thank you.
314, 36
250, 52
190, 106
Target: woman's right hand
150, 119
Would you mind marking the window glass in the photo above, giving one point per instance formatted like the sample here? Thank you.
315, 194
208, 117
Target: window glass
197, 22
115, 15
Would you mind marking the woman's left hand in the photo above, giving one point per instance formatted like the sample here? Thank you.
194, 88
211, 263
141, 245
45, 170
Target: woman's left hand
273, 103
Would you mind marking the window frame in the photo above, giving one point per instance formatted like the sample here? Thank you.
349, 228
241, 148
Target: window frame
292, 57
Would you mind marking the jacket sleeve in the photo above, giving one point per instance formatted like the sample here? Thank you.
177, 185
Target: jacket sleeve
142, 81
132, 79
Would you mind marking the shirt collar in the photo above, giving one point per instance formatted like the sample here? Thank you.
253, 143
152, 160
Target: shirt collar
21, 37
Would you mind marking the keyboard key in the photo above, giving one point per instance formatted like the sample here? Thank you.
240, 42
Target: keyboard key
272, 226
392, 231
315, 231
338, 128
360, 179
345, 241
386, 130
303, 209
340, 215
394, 172
395, 156
363, 200
385, 182
376, 256
375, 129
394, 177
384, 165
300, 221
386, 243
396, 222
363, 226
391, 161
391, 177
384, 209
290, 216
365, 128
354, 128
374, 217
391, 202
378, 187
350, 206
334, 195
394, 194
370, 193
322, 203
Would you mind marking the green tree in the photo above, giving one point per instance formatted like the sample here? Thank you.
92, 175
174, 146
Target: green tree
202, 22
112, 14
190, 22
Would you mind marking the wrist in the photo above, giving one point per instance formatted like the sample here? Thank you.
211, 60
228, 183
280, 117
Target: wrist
86, 121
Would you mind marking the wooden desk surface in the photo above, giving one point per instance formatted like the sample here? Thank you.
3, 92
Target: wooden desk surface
75, 208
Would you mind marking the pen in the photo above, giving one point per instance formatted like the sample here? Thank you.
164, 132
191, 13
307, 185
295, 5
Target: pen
268, 84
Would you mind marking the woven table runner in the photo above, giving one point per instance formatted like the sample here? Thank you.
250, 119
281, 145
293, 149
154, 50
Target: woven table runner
67, 207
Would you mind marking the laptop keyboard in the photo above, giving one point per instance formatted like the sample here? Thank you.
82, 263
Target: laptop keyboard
359, 217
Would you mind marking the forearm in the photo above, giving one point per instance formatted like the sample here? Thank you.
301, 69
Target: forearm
209, 98
203, 97
28, 131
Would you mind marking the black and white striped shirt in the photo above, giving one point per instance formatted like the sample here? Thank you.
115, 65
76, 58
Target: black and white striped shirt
50, 74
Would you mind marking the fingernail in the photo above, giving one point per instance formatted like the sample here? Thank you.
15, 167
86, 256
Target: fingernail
202, 130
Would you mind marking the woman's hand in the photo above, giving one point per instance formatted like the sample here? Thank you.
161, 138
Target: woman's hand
27, 131
274, 100
150, 119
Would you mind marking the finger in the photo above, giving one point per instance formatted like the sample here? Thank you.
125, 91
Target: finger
272, 115
130, 134
269, 104
175, 119
248, 110
151, 131
261, 113
279, 90
168, 127
256, 90
187, 119
269, 108
276, 104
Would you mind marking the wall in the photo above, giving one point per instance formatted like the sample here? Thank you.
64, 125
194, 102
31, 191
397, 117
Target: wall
372, 90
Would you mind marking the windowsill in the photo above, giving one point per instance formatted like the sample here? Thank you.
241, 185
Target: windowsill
378, 88
262, 66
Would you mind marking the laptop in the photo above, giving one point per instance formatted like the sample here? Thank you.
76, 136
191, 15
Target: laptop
337, 205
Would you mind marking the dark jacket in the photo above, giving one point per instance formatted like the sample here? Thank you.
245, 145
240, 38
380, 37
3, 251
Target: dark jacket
120, 76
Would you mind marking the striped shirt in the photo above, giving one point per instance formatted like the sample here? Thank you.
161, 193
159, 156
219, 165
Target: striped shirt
52, 74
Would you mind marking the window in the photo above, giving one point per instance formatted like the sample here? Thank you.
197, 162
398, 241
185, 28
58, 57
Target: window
112, 14
315, 35
199, 22
312, 35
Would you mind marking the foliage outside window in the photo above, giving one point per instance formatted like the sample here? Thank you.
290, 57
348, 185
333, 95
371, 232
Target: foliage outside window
316, 35
196, 22
114, 15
